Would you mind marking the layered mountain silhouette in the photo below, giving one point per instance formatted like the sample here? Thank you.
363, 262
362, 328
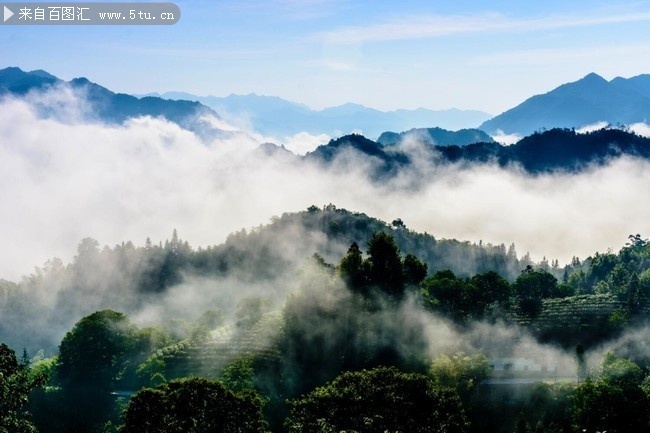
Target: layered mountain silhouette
276, 117
555, 150
589, 100
108, 106
584, 102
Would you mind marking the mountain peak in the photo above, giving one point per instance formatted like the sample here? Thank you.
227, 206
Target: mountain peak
593, 77
586, 101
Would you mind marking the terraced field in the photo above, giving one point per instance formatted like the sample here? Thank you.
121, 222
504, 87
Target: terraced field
208, 357
576, 319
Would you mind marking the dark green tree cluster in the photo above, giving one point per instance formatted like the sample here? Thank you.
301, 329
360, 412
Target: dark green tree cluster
376, 401
616, 401
535, 285
331, 327
489, 295
384, 268
466, 298
193, 405
98, 356
625, 275
15, 386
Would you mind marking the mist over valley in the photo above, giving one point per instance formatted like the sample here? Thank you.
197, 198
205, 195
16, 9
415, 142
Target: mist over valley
489, 277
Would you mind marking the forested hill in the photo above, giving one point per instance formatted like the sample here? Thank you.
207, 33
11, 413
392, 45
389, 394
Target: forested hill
555, 150
263, 260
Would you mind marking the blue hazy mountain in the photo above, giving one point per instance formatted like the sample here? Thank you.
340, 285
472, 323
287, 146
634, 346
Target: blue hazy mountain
587, 101
436, 137
108, 106
276, 117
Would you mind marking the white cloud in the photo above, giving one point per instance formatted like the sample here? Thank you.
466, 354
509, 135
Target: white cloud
592, 127
61, 182
642, 129
506, 139
304, 142
435, 26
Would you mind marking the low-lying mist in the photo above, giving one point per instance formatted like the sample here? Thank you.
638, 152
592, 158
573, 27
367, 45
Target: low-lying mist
64, 179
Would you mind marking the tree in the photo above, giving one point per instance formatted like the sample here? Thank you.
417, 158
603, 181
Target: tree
94, 354
239, 375
615, 402
445, 292
415, 270
351, 268
15, 387
532, 286
460, 371
193, 406
385, 264
486, 290
376, 401
93, 360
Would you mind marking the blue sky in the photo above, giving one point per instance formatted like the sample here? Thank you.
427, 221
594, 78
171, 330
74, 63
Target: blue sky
383, 54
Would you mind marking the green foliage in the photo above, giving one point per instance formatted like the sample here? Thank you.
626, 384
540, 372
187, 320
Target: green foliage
464, 299
193, 406
415, 270
376, 401
531, 287
615, 402
351, 269
460, 372
620, 371
577, 282
44, 368
618, 319
486, 291
151, 372
383, 269
645, 386
385, 265
15, 386
445, 292
95, 353
238, 376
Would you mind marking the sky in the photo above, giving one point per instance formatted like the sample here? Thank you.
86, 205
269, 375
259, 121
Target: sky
383, 54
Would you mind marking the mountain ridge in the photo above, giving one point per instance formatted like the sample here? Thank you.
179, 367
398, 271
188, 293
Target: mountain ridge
587, 101
265, 115
111, 107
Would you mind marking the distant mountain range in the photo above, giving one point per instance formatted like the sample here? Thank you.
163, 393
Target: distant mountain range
584, 102
276, 117
111, 107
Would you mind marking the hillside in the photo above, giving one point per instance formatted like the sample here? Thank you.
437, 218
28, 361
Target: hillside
261, 261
